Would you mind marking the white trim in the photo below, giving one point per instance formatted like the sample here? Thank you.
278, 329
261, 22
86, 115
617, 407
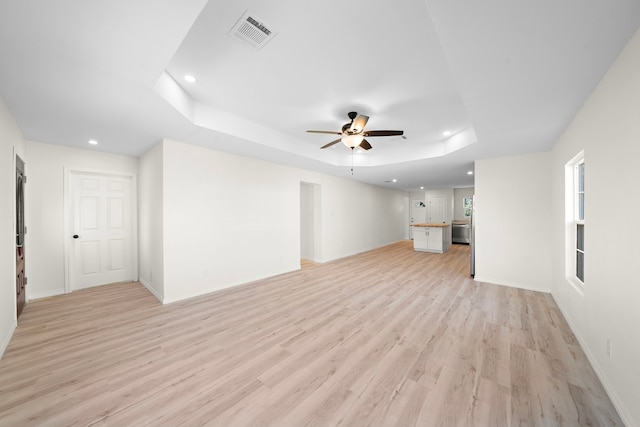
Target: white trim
7, 339
65, 226
67, 205
576, 190
153, 291
47, 294
134, 226
322, 260
211, 291
577, 221
570, 215
13, 244
545, 290
576, 284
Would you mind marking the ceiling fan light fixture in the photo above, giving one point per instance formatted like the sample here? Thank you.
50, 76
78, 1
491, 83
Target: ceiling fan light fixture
352, 141
353, 134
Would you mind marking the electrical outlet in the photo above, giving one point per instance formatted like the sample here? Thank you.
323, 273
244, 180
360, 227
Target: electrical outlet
609, 348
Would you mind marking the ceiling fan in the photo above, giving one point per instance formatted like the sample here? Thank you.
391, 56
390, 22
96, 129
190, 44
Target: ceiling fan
353, 133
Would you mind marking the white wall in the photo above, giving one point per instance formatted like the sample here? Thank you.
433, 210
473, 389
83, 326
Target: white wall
513, 221
45, 208
357, 217
459, 194
406, 202
150, 221
308, 224
608, 130
11, 143
227, 219
230, 220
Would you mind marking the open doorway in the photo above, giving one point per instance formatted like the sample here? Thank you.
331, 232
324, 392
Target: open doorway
309, 224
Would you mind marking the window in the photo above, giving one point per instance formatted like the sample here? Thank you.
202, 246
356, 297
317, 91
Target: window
579, 219
574, 221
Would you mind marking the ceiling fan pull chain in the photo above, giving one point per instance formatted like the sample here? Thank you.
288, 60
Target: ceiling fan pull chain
352, 161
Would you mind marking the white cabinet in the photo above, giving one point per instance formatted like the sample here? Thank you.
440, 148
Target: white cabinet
431, 239
434, 238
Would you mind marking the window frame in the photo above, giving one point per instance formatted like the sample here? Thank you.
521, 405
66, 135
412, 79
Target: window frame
575, 219
578, 218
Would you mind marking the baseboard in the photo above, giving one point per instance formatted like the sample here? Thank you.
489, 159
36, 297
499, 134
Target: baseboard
624, 414
46, 294
7, 339
510, 284
323, 260
199, 293
153, 291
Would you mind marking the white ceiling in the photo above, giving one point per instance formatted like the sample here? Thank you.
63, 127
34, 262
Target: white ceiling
504, 76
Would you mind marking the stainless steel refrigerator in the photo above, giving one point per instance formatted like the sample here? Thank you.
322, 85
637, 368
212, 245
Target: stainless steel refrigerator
472, 237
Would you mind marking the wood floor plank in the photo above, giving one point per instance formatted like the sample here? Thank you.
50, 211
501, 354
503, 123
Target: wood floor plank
390, 337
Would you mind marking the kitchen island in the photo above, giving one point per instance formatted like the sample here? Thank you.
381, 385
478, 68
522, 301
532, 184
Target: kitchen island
431, 237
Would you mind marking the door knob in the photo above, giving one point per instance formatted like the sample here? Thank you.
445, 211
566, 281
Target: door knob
75, 236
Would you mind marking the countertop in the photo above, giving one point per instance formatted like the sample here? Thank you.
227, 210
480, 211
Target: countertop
429, 224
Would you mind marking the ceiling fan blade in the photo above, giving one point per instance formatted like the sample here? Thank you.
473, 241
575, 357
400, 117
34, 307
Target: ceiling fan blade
383, 133
365, 145
331, 143
359, 123
330, 132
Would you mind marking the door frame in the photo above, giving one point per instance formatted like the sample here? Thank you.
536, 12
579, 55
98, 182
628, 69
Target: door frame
17, 158
68, 205
411, 206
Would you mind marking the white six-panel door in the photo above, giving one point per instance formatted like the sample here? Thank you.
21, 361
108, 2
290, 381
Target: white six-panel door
100, 224
437, 209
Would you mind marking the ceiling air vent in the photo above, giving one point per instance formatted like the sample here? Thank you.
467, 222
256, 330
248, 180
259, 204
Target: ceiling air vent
252, 30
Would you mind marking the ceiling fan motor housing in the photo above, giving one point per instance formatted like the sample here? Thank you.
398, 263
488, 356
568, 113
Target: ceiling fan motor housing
346, 129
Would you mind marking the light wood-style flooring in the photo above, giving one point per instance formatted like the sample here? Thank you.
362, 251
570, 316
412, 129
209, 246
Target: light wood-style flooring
390, 337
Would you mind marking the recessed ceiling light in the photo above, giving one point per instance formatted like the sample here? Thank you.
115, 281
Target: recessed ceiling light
470, 173
93, 142
422, 188
394, 180
446, 133
190, 78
